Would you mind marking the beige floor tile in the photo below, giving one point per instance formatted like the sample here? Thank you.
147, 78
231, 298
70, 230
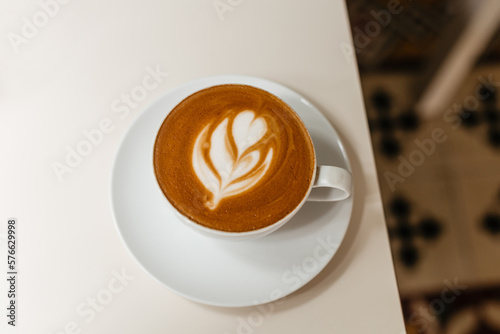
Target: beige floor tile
481, 196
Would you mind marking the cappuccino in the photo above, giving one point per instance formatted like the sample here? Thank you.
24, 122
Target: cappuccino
234, 158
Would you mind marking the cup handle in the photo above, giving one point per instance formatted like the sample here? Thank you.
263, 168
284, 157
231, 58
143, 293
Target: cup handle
331, 184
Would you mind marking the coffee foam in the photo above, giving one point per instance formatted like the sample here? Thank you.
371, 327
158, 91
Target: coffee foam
231, 157
234, 158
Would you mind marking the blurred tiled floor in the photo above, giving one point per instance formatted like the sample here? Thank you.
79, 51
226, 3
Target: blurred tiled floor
456, 184
439, 177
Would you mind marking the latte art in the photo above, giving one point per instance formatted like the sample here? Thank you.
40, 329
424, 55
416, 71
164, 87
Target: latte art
233, 155
233, 158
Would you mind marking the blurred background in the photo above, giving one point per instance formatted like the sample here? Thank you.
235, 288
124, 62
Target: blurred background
430, 75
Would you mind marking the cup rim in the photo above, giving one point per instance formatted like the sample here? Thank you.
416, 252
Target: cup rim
258, 232
251, 233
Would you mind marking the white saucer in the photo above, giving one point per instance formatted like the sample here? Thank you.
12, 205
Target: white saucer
219, 272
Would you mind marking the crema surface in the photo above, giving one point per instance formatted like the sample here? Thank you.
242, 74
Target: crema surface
234, 158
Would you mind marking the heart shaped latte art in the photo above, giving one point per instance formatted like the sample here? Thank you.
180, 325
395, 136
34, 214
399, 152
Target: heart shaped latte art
232, 156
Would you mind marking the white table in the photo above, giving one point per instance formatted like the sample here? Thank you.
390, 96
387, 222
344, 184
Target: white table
64, 74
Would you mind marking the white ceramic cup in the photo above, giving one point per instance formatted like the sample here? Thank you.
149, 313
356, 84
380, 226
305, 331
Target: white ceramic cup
335, 184
330, 183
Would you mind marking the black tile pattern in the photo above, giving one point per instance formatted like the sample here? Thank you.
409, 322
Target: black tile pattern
490, 222
388, 124
407, 231
488, 114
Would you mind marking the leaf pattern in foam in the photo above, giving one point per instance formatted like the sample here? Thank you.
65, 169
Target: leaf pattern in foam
201, 168
220, 156
230, 173
247, 130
